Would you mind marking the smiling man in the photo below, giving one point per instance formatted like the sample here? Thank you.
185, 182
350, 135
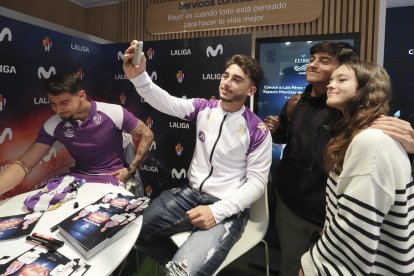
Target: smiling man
91, 132
228, 172
300, 178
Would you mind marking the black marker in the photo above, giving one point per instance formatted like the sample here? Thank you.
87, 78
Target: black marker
46, 241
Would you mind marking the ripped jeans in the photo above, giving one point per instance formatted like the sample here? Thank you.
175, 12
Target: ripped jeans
204, 250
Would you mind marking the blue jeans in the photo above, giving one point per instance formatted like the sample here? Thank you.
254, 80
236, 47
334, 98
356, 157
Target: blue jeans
204, 250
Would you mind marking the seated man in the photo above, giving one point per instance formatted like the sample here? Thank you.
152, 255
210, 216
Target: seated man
228, 172
91, 132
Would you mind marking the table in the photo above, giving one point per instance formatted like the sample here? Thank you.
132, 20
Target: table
104, 262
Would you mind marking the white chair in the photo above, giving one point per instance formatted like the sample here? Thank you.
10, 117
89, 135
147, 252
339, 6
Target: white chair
253, 234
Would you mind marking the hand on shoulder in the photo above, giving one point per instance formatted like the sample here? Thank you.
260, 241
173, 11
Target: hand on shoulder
398, 129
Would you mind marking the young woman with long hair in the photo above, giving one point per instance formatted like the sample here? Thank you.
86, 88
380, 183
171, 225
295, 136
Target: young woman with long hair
370, 194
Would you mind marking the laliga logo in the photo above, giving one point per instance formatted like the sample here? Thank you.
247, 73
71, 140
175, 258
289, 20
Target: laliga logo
212, 52
6, 132
153, 146
178, 175
6, 32
120, 55
48, 157
41, 72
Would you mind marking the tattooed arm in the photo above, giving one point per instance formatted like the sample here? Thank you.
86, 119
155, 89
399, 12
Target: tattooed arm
144, 134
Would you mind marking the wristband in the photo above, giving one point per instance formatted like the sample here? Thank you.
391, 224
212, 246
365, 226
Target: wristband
22, 166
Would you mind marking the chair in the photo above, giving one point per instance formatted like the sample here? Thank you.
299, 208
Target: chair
253, 234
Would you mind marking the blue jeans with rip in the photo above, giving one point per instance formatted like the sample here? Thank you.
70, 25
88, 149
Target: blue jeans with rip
204, 250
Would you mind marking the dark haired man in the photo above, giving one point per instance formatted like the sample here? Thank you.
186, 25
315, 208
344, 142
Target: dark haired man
91, 131
300, 177
228, 172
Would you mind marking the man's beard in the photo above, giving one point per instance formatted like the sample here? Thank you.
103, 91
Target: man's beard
70, 117
237, 98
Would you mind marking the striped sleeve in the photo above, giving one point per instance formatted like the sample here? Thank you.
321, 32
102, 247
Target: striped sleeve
369, 210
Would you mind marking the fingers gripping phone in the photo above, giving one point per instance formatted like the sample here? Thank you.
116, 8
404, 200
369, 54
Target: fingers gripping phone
136, 58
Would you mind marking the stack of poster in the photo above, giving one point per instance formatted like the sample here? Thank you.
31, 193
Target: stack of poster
16, 226
40, 261
102, 222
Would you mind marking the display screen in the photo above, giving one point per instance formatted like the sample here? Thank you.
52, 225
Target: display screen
399, 60
284, 62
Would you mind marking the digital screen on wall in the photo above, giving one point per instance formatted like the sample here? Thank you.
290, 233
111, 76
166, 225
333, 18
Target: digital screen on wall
399, 60
284, 62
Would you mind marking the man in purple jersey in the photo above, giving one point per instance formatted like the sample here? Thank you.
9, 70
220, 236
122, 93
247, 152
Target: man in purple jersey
91, 131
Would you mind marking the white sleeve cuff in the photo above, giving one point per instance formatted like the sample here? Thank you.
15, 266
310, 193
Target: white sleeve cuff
308, 266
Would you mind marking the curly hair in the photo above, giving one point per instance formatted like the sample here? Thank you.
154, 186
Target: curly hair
249, 66
371, 101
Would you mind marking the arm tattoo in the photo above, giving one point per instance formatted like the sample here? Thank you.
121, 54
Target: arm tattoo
145, 136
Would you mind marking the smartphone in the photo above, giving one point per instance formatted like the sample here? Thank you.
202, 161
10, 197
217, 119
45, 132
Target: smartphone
137, 53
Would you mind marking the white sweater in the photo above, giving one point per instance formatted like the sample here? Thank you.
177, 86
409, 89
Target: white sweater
233, 151
370, 211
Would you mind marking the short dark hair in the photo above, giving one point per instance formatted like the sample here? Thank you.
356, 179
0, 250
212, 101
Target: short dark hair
341, 50
62, 83
249, 66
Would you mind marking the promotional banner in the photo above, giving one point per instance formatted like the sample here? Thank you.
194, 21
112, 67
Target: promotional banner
399, 60
30, 54
186, 68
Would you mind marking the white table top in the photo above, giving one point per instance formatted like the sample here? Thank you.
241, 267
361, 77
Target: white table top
104, 262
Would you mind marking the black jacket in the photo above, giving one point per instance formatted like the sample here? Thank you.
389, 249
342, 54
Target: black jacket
300, 178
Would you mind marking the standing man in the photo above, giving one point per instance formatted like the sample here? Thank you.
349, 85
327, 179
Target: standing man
91, 132
228, 172
300, 178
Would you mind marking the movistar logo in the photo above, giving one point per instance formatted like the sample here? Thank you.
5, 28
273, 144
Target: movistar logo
154, 75
7, 132
48, 157
212, 52
6, 32
41, 72
178, 175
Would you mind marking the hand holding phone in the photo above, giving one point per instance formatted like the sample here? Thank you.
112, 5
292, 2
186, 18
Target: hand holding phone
137, 53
